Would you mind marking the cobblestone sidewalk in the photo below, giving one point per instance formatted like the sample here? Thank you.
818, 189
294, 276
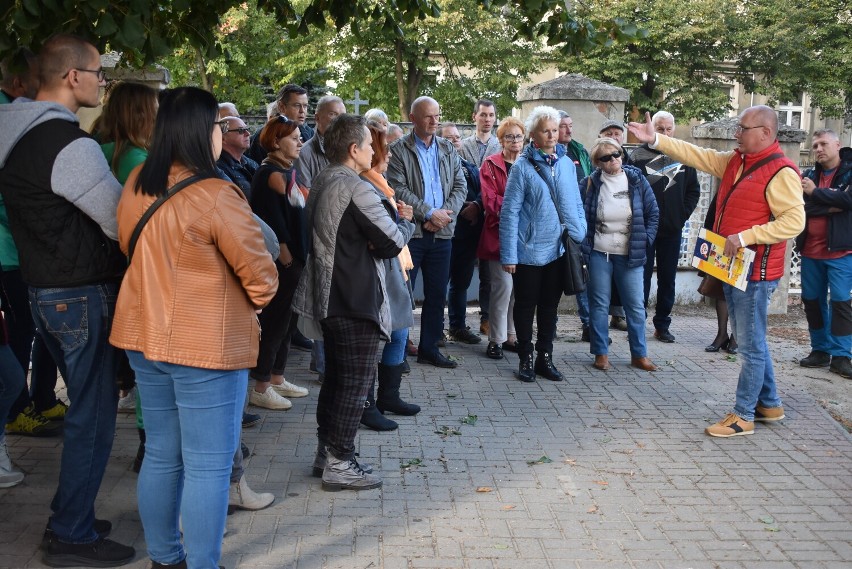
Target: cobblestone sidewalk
605, 470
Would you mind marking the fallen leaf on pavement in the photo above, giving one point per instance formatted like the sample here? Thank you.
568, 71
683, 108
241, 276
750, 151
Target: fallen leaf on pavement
485, 489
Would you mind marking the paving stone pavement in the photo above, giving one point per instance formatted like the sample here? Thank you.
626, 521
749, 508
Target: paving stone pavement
605, 470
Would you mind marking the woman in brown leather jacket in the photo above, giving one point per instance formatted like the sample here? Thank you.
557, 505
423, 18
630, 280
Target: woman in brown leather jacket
186, 314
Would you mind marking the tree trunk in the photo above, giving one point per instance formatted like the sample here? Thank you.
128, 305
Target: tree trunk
202, 70
408, 79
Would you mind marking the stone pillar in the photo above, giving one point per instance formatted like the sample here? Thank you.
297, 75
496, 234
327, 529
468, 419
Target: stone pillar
589, 102
719, 135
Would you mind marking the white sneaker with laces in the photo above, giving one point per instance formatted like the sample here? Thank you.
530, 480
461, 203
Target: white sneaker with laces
127, 404
9, 475
288, 389
269, 399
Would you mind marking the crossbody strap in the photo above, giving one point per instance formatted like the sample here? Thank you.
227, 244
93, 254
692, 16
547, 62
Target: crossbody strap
755, 166
549, 187
153, 208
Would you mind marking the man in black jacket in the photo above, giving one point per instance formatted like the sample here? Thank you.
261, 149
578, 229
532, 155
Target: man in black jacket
61, 199
826, 249
677, 191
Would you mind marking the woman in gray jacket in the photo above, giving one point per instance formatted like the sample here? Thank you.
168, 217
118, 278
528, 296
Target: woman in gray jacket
342, 289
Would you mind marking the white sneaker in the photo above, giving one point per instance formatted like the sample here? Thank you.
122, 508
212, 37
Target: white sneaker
269, 399
127, 404
288, 389
9, 475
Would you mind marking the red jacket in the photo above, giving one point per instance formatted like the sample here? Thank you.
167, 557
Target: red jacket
492, 177
746, 206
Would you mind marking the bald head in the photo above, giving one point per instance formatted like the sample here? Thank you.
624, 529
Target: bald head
765, 116
425, 116
421, 101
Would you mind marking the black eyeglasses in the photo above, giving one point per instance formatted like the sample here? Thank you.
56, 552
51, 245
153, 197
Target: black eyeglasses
608, 157
99, 72
224, 126
513, 137
740, 128
241, 130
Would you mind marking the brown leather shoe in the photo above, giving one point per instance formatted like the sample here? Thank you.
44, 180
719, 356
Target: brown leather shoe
643, 364
602, 362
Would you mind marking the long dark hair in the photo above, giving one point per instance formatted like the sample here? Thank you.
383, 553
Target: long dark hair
181, 135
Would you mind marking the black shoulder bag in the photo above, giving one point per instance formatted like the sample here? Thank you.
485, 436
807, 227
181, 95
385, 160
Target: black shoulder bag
134, 237
575, 271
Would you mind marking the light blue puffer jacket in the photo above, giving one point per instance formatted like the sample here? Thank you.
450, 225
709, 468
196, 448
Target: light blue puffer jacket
529, 224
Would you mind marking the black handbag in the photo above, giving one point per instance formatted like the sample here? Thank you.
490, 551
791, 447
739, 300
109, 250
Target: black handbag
575, 271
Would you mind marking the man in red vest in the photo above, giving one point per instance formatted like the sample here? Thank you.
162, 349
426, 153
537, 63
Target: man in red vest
759, 205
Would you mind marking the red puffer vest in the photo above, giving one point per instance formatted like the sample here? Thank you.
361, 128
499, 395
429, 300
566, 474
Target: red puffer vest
742, 204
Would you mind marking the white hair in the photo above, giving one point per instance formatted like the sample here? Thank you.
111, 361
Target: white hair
662, 115
228, 110
539, 114
377, 115
272, 110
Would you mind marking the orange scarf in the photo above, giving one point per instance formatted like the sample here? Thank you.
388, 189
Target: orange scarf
379, 182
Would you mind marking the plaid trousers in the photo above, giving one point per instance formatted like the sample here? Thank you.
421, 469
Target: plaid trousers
351, 359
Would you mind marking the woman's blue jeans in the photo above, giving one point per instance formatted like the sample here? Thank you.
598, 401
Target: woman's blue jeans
394, 351
192, 421
604, 269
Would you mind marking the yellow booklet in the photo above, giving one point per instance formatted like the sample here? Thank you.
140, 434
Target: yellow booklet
709, 257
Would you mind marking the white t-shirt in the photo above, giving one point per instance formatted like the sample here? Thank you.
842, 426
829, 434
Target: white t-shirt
614, 216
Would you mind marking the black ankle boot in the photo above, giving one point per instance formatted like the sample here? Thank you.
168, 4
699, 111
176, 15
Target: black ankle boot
545, 368
388, 398
140, 452
525, 367
372, 418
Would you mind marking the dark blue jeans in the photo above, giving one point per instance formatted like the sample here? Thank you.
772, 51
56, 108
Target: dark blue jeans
19, 321
462, 263
432, 256
75, 324
666, 248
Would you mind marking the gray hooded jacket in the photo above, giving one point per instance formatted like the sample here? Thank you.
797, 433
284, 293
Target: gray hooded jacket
60, 195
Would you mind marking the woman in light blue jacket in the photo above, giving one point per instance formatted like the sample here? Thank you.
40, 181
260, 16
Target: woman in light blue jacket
541, 201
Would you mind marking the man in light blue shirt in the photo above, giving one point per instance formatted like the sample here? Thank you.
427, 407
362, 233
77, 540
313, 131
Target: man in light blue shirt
425, 172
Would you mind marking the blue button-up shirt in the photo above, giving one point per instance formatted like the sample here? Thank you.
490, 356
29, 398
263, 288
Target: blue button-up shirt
433, 194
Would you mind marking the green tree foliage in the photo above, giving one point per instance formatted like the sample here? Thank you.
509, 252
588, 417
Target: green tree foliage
793, 46
254, 57
148, 30
466, 53
676, 66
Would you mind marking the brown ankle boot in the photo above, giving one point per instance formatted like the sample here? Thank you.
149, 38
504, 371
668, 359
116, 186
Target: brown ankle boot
602, 362
643, 364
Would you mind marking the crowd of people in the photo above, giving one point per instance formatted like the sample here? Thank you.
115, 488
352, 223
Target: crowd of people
148, 255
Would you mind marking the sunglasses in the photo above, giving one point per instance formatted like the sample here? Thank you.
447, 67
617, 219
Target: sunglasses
224, 126
608, 157
241, 130
285, 120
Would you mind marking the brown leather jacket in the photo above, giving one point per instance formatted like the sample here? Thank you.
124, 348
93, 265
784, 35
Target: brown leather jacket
199, 272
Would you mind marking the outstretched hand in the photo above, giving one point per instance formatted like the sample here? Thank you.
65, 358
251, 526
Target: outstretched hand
644, 132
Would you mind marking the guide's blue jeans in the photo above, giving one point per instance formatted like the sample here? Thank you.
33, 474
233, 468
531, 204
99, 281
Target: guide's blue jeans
747, 310
75, 324
192, 421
